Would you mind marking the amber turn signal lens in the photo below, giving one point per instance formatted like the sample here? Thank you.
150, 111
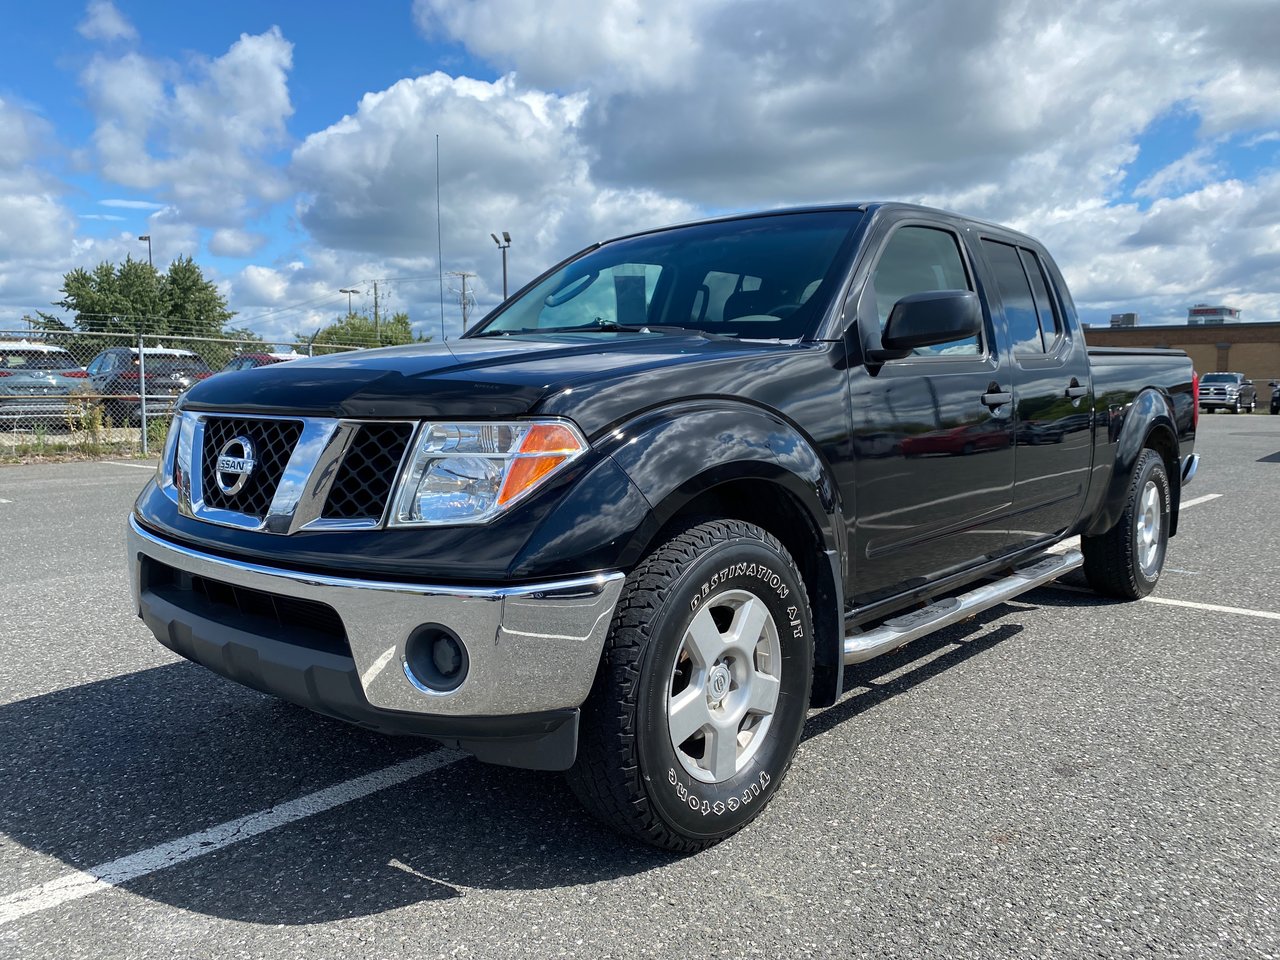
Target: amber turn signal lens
545, 447
524, 474
550, 438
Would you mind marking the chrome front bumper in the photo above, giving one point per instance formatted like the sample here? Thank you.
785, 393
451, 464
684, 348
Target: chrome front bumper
531, 648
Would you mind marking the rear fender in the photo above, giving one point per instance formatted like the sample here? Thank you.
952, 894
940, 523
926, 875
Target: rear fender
1147, 422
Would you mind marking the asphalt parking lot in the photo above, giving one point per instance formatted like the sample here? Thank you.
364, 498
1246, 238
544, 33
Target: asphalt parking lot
1063, 776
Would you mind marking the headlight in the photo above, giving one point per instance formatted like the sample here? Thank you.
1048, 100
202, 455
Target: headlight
164, 469
471, 472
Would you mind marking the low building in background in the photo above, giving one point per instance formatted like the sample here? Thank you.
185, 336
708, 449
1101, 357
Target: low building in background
1202, 314
1249, 348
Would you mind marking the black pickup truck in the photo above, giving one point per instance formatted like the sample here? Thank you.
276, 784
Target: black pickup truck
639, 520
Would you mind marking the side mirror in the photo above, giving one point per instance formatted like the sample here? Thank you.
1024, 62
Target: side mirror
928, 319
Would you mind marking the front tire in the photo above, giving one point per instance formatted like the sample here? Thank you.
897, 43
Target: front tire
1126, 561
702, 693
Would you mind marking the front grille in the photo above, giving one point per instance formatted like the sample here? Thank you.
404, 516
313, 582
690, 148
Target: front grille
305, 623
273, 442
363, 484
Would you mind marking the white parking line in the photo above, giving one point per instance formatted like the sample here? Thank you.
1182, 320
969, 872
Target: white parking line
83, 883
1073, 543
136, 466
3, 500
1199, 500
1214, 608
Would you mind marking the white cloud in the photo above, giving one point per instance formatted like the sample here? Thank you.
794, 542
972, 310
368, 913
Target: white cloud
132, 204
1190, 170
633, 43
230, 242
510, 160
102, 21
201, 136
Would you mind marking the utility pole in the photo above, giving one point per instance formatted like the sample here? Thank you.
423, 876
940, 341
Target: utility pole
464, 299
147, 237
376, 335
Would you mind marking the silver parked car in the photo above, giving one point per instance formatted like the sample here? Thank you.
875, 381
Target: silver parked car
36, 383
1227, 391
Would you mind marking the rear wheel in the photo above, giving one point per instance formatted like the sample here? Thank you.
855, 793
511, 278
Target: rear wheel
1126, 561
702, 693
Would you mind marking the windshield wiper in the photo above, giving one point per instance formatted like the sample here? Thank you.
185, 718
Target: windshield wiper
602, 325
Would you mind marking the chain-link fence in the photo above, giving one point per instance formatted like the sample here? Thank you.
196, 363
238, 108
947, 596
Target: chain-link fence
111, 394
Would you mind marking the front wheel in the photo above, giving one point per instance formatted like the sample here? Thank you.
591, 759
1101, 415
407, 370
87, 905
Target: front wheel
703, 689
1126, 561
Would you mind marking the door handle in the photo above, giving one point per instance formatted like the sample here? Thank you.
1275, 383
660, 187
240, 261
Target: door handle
1074, 390
995, 397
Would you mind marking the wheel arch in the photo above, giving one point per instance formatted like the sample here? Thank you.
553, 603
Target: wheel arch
738, 461
1148, 424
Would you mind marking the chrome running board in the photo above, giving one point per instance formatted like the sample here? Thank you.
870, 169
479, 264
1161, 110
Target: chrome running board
902, 629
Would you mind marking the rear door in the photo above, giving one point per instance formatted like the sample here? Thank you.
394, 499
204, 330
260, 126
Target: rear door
932, 439
1053, 396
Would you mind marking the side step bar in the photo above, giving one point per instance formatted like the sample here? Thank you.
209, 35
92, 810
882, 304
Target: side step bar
902, 629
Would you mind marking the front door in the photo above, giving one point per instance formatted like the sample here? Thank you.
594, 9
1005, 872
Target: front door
932, 433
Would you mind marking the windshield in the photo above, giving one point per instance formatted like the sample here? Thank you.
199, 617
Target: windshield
37, 360
761, 278
1219, 378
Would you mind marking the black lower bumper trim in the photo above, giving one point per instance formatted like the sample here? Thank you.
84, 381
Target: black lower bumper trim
329, 684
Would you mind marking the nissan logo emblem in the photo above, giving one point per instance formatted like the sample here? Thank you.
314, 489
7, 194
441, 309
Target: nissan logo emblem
234, 465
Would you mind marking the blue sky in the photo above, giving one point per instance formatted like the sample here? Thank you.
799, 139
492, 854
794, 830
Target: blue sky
289, 147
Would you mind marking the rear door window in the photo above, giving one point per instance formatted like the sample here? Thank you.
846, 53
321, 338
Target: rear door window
1015, 294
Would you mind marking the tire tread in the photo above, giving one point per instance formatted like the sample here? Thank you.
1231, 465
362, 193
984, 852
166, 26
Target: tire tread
1109, 560
606, 777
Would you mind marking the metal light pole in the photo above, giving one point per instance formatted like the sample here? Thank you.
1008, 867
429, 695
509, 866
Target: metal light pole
502, 245
147, 237
348, 291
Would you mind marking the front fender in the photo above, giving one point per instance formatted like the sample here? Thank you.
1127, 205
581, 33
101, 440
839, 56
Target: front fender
676, 453
1150, 416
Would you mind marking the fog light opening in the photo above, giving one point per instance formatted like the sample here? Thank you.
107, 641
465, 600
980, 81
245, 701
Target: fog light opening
435, 660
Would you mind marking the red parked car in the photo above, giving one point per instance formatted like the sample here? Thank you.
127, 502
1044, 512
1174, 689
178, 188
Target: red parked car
967, 439
247, 361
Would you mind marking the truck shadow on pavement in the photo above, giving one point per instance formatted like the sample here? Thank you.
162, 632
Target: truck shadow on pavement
111, 768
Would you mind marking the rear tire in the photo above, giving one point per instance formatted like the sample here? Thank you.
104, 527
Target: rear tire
711, 645
1126, 561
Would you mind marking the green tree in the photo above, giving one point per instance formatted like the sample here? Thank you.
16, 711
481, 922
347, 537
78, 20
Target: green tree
134, 297
358, 330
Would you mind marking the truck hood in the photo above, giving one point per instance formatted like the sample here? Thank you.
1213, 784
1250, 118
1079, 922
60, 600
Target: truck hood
482, 378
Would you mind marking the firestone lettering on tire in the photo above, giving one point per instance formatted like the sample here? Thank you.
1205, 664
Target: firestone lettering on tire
688, 796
